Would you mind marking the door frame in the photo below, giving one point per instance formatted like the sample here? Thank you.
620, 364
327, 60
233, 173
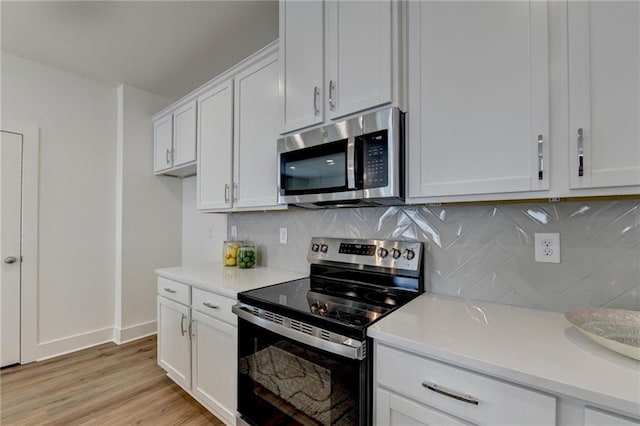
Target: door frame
29, 244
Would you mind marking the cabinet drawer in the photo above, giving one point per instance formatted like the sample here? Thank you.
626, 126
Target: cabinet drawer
174, 290
453, 390
214, 305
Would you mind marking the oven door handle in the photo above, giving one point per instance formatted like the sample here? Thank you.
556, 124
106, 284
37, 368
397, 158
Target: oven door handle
351, 163
350, 348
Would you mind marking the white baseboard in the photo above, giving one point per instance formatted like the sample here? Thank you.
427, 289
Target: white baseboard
65, 345
134, 332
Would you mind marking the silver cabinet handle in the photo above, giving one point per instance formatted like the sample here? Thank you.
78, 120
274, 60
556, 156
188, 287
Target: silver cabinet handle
450, 393
235, 193
182, 330
332, 88
540, 158
169, 290
209, 305
167, 156
316, 94
580, 152
10, 259
226, 193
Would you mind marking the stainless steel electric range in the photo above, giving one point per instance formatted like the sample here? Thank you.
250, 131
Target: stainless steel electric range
302, 345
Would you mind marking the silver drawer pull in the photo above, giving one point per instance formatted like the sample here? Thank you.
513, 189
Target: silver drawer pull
450, 393
169, 290
209, 305
540, 157
580, 152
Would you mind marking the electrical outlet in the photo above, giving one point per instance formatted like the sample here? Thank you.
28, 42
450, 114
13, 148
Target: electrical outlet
234, 232
283, 235
547, 247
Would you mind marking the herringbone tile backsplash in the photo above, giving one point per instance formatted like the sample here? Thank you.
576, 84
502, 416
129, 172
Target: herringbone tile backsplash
483, 252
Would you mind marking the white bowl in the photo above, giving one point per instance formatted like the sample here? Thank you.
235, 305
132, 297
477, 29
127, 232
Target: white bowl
615, 329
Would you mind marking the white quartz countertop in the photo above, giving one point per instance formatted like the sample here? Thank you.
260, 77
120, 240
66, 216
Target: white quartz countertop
228, 281
534, 348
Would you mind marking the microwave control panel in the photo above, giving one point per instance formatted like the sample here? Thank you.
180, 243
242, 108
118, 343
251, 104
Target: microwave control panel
375, 160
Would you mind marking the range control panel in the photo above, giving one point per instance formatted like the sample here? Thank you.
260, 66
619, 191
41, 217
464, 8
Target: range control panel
382, 253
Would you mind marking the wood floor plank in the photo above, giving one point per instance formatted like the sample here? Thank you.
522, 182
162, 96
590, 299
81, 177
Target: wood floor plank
103, 385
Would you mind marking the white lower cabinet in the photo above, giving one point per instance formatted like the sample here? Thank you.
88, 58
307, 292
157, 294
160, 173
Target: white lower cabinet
593, 417
197, 345
437, 393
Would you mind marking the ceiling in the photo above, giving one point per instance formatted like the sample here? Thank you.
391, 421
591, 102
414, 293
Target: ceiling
165, 47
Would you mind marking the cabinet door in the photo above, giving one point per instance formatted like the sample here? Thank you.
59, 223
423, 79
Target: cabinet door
604, 93
184, 134
163, 143
479, 98
215, 364
358, 55
302, 62
256, 132
215, 141
594, 417
394, 410
174, 342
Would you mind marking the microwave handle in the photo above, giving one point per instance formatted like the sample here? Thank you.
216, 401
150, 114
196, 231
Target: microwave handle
351, 163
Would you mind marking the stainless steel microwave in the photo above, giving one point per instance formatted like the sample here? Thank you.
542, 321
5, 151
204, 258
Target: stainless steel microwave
356, 162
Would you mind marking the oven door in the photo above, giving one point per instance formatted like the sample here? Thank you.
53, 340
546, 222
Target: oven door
285, 382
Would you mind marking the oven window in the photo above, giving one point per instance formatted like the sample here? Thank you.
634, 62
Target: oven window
321, 168
284, 382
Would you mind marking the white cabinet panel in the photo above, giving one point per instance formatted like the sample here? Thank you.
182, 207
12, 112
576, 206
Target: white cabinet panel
479, 97
257, 115
215, 364
302, 62
358, 55
215, 142
163, 143
184, 134
394, 410
594, 417
604, 93
174, 344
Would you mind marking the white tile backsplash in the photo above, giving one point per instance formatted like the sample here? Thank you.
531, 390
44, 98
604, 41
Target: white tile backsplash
483, 252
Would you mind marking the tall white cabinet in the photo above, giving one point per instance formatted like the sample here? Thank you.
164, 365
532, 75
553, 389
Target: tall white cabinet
604, 93
479, 98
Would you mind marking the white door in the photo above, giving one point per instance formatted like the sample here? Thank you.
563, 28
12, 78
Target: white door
174, 340
394, 410
604, 93
479, 100
184, 134
10, 246
163, 143
215, 142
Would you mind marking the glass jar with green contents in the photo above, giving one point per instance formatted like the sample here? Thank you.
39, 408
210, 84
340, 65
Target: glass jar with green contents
247, 256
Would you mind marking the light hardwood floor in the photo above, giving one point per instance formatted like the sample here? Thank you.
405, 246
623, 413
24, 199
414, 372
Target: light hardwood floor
104, 385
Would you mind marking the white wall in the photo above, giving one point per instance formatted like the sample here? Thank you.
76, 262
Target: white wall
77, 121
148, 216
202, 233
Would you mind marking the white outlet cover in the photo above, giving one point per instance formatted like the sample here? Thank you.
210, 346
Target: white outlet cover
283, 235
234, 232
547, 247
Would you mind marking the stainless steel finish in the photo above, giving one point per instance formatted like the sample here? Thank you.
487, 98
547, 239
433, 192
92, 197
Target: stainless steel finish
351, 163
167, 156
332, 101
10, 259
409, 264
540, 158
209, 305
182, 329
580, 152
240, 421
169, 290
302, 332
316, 95
450, 393
392, 194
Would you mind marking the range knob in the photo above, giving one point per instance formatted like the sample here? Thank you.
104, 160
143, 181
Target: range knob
322, 310
315, 247
409, 254
314, 307
395, 253
324, 248
383, 252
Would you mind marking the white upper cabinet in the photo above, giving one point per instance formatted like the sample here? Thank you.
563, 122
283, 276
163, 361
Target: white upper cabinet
604, 93
215, 142
478, 120
301, 63
338, 58
163, 143
174, 139
184, 134
257, 119
359, 55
